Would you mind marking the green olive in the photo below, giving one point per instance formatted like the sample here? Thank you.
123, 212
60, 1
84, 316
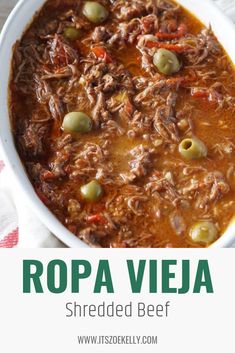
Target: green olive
95, 12
166, 61
77, 122
203, 232
192, 148
72, 33
92, 191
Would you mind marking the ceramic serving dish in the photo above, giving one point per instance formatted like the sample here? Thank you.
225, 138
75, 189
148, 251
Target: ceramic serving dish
18, 20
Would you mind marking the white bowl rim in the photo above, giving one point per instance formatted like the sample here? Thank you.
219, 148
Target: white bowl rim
211, 13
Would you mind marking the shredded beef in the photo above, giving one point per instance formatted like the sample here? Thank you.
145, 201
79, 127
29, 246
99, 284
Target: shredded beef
165, 120
100, 34
131, 9
33, 138
141, 160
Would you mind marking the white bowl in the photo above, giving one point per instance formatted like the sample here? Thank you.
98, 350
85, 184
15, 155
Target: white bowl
20, 17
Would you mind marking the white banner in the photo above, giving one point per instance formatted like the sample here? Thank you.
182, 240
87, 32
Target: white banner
155, 320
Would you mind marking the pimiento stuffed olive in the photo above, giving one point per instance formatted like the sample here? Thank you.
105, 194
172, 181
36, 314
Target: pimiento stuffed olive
77, 122
95, 12
92, 191
166, 61
204, 232
192, 148
72, 33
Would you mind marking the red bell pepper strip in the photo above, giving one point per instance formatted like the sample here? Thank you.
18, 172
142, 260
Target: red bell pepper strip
97, 218
173, 47
48, 175
181, 31
180, 80
102, 54
211, 95
197, 93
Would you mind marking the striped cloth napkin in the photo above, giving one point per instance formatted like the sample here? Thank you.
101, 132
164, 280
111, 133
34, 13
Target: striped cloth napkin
19, 227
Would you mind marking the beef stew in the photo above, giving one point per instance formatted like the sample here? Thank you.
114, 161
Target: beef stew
122, 113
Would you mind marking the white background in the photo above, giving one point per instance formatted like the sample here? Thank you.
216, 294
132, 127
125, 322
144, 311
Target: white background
37, 322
